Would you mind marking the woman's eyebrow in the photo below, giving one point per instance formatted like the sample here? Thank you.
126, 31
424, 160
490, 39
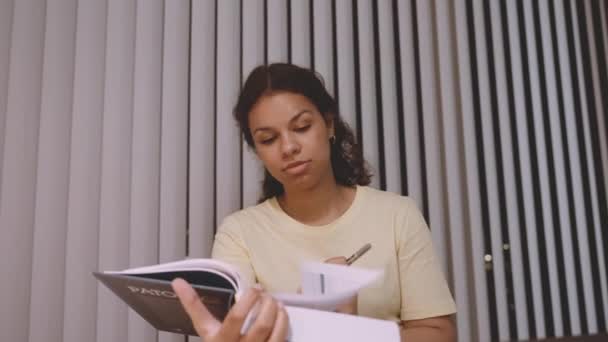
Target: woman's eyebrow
300, 113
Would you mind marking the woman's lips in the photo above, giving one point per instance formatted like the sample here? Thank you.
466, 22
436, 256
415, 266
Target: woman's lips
296, 167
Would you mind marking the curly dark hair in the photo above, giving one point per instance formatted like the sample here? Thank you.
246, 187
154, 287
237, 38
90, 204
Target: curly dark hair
346, 158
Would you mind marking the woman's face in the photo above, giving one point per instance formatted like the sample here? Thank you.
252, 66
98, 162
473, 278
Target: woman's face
291, 138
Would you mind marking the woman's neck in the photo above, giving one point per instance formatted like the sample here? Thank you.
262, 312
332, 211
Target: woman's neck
319, 205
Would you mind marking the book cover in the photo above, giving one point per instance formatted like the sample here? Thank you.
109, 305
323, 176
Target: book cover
155, 301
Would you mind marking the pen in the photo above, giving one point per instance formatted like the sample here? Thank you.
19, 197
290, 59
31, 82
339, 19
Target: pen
358, 253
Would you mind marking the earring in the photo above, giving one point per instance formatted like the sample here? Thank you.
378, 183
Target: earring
332, 139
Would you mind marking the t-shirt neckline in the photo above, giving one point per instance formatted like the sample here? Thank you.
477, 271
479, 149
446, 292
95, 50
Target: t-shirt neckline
309, 229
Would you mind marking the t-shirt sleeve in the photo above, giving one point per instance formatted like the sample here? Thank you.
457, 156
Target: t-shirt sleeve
230, 247
424, 290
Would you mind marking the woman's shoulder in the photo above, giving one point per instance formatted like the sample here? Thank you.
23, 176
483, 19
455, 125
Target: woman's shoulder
246, 216
386, 199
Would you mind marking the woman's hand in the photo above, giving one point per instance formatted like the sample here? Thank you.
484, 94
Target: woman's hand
351, 306
271, 324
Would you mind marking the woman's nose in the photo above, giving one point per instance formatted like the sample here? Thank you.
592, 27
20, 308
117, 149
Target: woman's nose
289, 146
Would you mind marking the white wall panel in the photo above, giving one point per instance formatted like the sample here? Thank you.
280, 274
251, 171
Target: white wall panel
431, 110
19, 167
453, 154
409, 95
252, 56
174, 138
145, 150
301, 33
228, 146
201, 224
114, 220
6, 23
50, 220
346, 63
174, 131
369, 110
81, 254
276, 30
389, 97
323, 42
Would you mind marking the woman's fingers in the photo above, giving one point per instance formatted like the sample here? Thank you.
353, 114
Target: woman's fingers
231, 328
203, 321
281, 326
265, 320
339, 260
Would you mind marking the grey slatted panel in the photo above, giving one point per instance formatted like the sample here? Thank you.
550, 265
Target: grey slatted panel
17, 199
201, 223
50, 220
85, 173
369, 122
410, 105
346, 63
594, 180
489, 159
514, 247
487, 139
558, 158
174, 138
300, 33
432, 126
112, 322
6, 22
522, 138
599, 95
602, 126
454, 150
478, 287
573, 150
227, 139
389, 97
543, 173
602, 113
586, 143
253, 55
145, 152
323, 46
602, 118
276, 32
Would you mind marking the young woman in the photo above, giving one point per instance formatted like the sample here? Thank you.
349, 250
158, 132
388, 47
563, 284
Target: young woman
316, 206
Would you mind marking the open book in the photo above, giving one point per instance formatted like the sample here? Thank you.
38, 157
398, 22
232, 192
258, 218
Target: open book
147, 290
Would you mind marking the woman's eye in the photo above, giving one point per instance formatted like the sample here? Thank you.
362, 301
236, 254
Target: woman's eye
302, 128
267, 141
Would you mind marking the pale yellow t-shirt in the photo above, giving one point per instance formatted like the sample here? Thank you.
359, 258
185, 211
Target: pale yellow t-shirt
268, 246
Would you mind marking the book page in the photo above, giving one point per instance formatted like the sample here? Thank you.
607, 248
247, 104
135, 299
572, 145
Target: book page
327, 286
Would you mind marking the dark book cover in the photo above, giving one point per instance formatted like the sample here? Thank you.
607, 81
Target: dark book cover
152, 297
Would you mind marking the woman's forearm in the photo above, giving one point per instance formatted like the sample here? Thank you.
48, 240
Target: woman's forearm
426, 334
436, 329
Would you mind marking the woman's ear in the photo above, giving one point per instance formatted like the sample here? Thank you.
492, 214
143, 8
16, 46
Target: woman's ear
329, 121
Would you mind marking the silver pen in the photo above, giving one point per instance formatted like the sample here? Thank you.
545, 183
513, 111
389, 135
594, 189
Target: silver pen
358, 253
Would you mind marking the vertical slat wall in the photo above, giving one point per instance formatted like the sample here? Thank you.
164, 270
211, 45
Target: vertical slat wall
118, 147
